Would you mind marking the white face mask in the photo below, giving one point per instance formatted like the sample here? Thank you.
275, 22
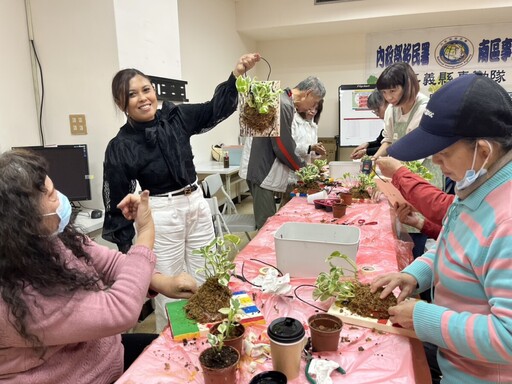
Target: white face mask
63, 211
471, 176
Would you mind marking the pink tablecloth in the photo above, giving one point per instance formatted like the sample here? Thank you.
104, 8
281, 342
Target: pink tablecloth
366, 356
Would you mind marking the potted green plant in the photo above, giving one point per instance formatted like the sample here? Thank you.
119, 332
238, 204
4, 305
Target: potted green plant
348, 292
213, 294
219, 362
360, 185
259, 111
308, 176
230, 328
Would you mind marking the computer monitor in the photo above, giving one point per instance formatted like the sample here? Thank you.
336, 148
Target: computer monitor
68, 167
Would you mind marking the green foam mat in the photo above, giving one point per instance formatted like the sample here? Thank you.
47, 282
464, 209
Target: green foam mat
181, 326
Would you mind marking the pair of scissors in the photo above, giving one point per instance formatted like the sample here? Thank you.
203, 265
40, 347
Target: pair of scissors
360, 222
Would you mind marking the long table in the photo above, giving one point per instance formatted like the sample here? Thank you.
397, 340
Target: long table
367, 356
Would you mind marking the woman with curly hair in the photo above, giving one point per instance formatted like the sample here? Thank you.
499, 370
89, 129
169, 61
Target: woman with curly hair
65, 300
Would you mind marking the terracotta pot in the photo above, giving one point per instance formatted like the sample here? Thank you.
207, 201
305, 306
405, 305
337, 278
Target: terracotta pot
311, 191
346, 197
237, 340
339, 210
325, 332
220, 375
269, 377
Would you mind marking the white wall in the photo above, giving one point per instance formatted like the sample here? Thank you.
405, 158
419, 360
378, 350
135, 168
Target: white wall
210, 48
335, 60
148, 36
82, 44
76, 42
18, 117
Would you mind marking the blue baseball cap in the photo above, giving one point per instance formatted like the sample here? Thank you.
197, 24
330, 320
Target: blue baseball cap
470, 106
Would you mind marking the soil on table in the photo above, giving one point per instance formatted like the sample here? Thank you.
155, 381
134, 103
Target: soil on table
204, 305
213, 358
369, 304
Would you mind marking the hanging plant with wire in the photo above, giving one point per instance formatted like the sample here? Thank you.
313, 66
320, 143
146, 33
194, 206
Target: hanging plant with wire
259, 105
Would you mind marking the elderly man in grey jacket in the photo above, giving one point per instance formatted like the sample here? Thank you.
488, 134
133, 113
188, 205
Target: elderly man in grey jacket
266, 161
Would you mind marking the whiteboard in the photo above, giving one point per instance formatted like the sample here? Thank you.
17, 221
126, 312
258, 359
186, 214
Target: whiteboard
358, 124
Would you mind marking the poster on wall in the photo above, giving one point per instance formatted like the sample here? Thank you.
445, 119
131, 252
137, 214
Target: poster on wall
358, 124
439, 55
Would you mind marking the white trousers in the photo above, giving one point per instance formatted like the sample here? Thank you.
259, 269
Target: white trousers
182, 224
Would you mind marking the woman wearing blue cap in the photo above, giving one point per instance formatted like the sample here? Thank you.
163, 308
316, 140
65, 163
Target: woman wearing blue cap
467, 127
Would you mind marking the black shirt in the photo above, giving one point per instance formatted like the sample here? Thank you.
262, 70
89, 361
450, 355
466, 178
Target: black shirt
158, 154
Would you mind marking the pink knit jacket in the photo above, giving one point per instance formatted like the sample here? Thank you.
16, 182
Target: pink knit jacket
81, 330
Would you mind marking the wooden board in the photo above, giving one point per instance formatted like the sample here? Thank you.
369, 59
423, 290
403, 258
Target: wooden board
367, 322
391, 192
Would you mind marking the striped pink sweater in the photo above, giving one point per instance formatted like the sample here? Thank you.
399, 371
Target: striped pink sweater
471, 268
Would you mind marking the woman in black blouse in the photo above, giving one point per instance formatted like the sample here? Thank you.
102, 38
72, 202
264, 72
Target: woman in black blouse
153, 148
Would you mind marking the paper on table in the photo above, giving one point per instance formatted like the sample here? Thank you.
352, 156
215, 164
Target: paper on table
390, 191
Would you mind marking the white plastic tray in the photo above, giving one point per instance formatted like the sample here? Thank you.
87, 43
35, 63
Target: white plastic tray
302, 248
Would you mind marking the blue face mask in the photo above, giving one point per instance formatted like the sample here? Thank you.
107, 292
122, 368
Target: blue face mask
63, 211
471, 176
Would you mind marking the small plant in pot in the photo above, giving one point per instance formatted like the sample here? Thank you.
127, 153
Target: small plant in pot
360, 186
219, 362
348, 292
323, 170
308, 176
231, 328
213, 294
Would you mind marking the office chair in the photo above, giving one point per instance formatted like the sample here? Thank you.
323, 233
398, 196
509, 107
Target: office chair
228, 222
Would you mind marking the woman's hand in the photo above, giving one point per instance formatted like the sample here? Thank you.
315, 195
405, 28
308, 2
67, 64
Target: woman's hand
181, 286
403, 313
137, 208
408, 215
407, 284
388, 166
318, 148
359, 151
245, 63
382, 151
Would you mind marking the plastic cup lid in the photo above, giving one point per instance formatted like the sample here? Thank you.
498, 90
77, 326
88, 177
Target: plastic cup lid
269, 377
286, 330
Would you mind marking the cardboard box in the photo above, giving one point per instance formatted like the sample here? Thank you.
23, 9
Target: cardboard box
338, 168
302, 248
330, 146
